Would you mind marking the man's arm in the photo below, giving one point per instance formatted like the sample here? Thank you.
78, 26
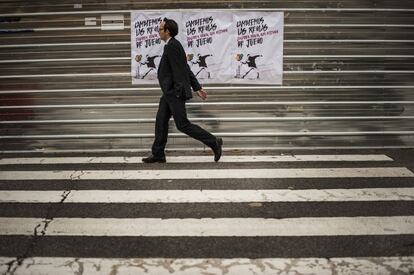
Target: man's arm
193, 80
196, 85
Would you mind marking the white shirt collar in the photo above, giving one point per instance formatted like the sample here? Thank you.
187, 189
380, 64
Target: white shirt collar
166, 42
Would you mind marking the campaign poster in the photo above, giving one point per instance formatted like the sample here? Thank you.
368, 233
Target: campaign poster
221, 47
208, 41
146, 45
258, 55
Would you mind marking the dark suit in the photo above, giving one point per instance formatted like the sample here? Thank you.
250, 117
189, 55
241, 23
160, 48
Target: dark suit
176, 80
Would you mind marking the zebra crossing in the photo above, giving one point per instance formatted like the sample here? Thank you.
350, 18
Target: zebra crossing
248, 214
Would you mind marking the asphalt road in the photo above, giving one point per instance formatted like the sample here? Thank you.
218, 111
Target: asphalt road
311, 211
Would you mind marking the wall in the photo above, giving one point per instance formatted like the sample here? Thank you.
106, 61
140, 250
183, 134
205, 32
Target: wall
348, 80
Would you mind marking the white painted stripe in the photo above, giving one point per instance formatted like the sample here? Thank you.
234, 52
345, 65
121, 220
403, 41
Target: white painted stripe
202, 149
30, 196
374, 172
195, 159
210, 196
332, 226
228, 266
26, 226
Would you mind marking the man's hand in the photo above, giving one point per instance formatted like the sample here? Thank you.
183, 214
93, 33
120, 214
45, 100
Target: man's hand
202, 94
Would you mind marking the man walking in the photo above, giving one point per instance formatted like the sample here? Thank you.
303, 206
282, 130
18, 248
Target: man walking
176, 80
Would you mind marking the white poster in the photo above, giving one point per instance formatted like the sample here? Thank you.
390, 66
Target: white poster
258, 56
208, 38
147, 47
221, 47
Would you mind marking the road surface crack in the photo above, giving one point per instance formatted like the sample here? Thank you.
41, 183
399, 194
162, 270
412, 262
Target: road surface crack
38, 232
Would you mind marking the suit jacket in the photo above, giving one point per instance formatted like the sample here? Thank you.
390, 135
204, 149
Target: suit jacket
174, 74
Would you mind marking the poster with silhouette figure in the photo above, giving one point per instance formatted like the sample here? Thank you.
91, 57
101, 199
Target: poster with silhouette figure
221, 47
146, 45
208, 36
258, 56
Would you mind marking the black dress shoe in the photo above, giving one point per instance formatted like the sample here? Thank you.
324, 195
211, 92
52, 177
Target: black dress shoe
217, 149
152, 159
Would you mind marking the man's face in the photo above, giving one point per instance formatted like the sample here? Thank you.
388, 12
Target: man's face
164, 35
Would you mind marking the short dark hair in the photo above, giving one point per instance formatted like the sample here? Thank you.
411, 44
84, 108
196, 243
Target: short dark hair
171, 26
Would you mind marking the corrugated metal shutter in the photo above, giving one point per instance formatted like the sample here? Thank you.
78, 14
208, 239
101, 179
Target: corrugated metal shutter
348, 79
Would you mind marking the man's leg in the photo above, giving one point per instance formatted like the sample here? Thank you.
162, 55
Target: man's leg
179, 113
161, 128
